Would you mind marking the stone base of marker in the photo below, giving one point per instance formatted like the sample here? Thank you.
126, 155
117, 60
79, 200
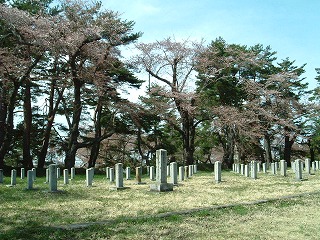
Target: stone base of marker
161, 187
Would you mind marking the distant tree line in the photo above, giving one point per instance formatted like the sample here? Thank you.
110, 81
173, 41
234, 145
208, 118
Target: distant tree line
61, 75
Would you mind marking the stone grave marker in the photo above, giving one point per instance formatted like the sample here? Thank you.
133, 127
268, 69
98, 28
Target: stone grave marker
128, 173
246, 170
161, 184
139, 176
89, 176
111, 175
73, 173
107, 172
119, 177
13, 177
217, 171
307, 166
190, 167
152, 173
254, 170
186, 172
283, 168
273, 169
174, 173
298, 169
53, 183
22, 173
34, 170
181, 173
264, 167
58, 173
30, 179
47, 175
65, 177
242, 169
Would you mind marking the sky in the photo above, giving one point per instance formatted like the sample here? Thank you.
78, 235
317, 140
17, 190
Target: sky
289, 27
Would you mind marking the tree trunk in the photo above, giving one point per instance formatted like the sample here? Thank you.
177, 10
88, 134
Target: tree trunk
228, 148
287, 149
8, 131
267, 148
27, 126
311, 151
74, 131
95, 148
47, 132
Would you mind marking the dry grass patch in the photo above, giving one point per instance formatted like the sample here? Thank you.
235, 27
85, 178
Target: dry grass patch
78, 203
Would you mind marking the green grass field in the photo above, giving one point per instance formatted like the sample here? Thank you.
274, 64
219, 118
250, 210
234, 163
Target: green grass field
191, 211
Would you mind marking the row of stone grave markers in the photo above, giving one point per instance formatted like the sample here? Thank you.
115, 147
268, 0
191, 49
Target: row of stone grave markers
158, 174
297, 167
31, 177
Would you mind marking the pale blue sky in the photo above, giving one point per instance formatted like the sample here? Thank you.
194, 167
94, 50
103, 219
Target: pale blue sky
290, 27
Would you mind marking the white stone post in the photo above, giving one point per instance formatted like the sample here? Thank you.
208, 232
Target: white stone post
119, 175
217, 171
190, 170
242, 169
34, 170
258, 166
58, 173
246, 171
47, 175
30, 179
22, 173
308, 166
148, 170
152, 173
53, 178
89, 176
107, 172
128, 173
283, 168
161, 184
298, 169
65, 176
174, 173
168, 170
273, 169
13, 177
264, 167
253, 169
73, 173
186, 172
293, 166
181, 173
195, 168
276, 166
111, 175
313, 165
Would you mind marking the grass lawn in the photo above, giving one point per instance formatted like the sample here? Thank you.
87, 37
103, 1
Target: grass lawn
137, 213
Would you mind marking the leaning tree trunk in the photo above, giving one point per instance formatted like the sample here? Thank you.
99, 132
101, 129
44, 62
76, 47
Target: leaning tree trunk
74, 131
95, 148
47, 132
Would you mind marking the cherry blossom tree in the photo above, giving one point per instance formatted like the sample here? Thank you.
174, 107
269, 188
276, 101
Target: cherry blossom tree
172, 64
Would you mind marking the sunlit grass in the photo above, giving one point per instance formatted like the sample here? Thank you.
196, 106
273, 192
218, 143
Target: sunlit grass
76, 203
